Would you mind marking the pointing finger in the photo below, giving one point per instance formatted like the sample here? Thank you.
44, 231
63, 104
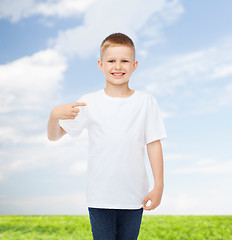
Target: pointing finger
78, 104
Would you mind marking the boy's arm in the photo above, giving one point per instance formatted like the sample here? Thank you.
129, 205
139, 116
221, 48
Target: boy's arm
66, 111
54, 130
154, 150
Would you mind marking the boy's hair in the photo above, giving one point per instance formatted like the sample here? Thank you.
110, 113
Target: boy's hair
116, 39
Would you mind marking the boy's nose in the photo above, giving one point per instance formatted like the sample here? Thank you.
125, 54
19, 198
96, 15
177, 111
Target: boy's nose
117, 65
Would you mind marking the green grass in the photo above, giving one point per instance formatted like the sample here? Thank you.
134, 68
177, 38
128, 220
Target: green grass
152, 228
186, 227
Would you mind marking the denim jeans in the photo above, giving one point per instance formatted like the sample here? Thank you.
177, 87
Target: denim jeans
115, 224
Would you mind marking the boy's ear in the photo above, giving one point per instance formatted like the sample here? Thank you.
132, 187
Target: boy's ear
135, 65
100, 65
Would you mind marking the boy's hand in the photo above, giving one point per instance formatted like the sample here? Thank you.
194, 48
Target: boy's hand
155, 197
66, 111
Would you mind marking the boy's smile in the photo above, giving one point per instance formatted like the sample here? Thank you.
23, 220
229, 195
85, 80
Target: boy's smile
118, 74
117, 64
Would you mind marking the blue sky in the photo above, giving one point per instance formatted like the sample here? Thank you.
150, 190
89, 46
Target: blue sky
48, 56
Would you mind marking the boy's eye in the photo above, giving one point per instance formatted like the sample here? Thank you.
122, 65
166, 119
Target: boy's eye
112, 61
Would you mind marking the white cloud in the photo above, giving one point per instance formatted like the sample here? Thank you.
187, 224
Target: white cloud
167, 13
222, 71
61, 8
16, 10
198, 164
101, 19
206, 65
66, 155
30, 82
206, 161
36, 155
225, 96
224, 167
28, 87
197, 80
180, 157
194, 204
1, 178
58, 204
184, 201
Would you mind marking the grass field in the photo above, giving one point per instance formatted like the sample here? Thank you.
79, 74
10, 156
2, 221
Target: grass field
152, 228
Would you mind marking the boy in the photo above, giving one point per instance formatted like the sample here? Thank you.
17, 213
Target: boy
120, 122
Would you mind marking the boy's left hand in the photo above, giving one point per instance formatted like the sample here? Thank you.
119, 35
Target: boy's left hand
155, 197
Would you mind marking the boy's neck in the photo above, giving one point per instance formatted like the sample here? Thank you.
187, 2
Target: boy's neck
118, 91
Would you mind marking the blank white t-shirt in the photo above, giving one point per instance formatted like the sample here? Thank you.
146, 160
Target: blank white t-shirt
118, 129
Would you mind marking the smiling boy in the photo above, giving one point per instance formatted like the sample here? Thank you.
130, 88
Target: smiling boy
120, 123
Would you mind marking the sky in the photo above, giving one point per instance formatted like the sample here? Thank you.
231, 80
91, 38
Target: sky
48, 57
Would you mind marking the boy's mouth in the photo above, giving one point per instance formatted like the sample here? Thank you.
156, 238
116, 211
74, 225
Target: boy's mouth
117, 74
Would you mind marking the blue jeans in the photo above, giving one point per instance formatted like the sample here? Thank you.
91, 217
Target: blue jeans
115, 224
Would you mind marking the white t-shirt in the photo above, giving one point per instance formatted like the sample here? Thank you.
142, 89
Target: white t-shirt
118, 129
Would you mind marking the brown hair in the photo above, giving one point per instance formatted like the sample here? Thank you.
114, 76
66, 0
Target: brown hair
116, 39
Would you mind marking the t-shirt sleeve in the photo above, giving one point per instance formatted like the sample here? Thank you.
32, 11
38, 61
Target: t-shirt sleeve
74, 127
154, 126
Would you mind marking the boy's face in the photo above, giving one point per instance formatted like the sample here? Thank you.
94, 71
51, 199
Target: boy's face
117, 64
